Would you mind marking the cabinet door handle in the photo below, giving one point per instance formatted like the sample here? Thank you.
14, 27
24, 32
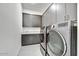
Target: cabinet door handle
66, 17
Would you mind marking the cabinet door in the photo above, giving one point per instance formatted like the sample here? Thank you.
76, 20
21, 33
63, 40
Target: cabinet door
49, 16
30, 39
71, 11
60, 12
31, 20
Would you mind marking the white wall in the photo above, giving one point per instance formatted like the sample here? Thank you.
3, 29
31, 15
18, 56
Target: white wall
10, 28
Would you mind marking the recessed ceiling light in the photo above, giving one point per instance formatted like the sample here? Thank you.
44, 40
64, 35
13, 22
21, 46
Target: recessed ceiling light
55, 7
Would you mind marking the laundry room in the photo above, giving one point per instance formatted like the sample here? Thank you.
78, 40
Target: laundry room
38, 29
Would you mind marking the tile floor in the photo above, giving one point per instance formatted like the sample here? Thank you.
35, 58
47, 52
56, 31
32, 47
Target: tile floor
30, 50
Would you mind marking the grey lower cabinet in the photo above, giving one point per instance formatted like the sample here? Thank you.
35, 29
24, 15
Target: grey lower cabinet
30, 39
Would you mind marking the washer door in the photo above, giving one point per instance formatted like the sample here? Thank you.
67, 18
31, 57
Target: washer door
56, 43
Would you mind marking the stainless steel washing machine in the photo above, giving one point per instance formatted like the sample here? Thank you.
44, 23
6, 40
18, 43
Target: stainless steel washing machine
62, 39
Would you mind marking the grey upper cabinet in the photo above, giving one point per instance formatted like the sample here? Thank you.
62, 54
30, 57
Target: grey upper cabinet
30, 20
66, 11
71, 11
60, 12
49, 17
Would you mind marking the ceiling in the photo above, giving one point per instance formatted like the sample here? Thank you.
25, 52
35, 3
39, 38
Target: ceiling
35, 8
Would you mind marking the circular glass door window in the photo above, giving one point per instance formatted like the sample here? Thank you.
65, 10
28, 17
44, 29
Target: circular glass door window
56, 43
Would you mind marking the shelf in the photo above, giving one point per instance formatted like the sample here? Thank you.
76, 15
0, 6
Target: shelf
31, 30
31, 12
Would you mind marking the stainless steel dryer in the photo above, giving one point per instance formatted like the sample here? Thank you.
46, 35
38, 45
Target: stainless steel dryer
62, 39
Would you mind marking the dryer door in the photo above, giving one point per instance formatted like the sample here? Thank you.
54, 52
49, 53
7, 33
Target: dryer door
56, 44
